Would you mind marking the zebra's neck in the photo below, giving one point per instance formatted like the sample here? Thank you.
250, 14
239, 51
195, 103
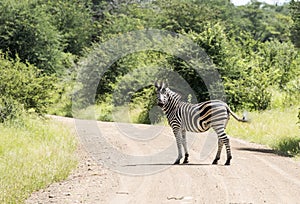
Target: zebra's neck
172, 104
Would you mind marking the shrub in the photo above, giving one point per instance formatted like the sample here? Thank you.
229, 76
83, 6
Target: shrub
289, 145
25, 30
23, 86
9, 109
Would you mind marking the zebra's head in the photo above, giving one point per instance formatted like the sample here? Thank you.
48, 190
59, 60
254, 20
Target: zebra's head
164, 94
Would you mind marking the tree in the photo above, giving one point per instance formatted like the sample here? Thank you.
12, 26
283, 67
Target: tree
74, 21
295, 29
26, 31
265, 22
249, 45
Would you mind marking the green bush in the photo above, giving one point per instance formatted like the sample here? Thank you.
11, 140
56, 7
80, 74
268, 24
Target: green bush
26, 31
9, 109
105, 107
74, 21
289, 146
23, 86
295, 28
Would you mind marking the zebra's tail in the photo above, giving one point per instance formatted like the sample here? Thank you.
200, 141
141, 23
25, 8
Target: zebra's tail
245, 116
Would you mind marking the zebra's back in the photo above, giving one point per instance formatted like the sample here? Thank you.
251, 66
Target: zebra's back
202, 116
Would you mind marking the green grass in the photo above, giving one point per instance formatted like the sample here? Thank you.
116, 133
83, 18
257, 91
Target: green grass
33, 154
275, 128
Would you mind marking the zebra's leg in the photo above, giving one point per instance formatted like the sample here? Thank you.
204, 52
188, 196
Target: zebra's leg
186, 154
222, 139
220, 146
227, 145
228, 151
179, 144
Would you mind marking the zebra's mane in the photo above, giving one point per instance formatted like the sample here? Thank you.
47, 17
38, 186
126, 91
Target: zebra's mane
174, 95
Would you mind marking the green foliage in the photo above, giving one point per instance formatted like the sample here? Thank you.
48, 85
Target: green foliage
74, 21
23, 86
145, 116
42, 32
26, 31
289, 146
62, 104
295, 29
184, 16
9, 109
249, 67
106, 108
248, 44
264, 22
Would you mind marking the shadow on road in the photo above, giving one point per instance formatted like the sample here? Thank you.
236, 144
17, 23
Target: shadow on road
263, 150
165, 164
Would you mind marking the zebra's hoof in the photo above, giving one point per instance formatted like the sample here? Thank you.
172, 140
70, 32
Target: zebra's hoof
215, 161
186, 158
227, 163
177, 161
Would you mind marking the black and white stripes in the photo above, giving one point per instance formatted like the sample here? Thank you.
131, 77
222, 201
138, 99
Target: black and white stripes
200, 117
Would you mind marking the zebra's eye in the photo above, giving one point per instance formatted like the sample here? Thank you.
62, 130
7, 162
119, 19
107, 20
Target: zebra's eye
163, 91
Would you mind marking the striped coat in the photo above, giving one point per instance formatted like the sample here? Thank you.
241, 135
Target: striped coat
183, 116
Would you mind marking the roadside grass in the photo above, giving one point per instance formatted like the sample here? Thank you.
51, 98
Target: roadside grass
34, 153
276, 128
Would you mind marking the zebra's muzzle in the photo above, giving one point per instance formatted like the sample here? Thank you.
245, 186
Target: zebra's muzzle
160, 104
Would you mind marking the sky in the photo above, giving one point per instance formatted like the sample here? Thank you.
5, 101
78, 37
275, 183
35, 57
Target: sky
243, 2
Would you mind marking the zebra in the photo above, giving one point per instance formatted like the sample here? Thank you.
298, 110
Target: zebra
184, 116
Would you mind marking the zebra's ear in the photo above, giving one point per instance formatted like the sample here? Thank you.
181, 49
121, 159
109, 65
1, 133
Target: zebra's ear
165, 84
157, 84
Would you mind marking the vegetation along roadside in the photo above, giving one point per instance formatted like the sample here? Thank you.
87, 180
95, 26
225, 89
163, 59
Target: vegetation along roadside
34, 153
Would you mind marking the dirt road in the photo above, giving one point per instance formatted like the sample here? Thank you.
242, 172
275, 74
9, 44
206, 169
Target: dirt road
256, 174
